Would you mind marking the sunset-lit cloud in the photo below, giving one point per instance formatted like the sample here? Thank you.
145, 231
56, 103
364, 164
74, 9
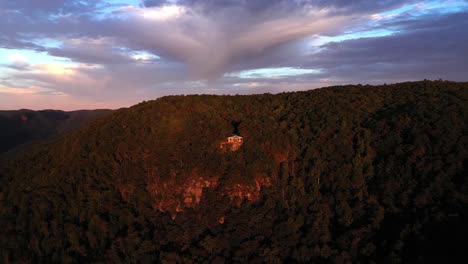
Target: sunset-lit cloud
116, 53
25, 90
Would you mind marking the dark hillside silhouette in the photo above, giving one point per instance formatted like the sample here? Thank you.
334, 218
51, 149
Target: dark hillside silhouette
26, 126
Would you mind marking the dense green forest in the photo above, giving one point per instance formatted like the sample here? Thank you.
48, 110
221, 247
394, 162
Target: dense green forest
27, 126
362, 174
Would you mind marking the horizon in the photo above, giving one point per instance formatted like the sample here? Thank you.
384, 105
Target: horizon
112, 54
221, 95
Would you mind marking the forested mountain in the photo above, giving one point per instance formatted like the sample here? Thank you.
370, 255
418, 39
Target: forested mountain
26, 126
334, 175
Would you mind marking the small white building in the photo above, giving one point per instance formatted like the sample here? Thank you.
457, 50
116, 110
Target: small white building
233, 143
235, 139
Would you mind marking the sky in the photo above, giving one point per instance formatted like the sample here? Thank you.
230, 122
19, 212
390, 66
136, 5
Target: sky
89, 54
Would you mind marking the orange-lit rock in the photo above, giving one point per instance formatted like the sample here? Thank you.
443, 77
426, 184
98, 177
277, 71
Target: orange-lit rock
221, 220
232, 143
238, 192
170, 195
193, 190
173, 196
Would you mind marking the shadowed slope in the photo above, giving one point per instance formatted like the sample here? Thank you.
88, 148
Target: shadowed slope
25, 126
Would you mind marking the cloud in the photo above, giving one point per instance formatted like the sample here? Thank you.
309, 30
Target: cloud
256, 6
49, 7
91, 50
433, 48
200, 34
19, 90
124, 52
210, 45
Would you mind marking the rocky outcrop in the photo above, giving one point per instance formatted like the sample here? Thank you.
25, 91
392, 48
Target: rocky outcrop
175, 196
239, 192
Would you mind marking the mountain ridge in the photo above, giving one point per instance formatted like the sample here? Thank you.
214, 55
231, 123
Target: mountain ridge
26, 126
339, 174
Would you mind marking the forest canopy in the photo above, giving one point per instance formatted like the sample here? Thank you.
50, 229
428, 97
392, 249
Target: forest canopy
341, 174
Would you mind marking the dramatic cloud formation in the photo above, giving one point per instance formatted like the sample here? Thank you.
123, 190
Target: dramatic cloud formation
111, 53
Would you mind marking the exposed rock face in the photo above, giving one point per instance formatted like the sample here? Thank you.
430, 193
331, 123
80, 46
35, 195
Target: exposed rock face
238, 192
193, 190
174, 191
172, 196
180, 191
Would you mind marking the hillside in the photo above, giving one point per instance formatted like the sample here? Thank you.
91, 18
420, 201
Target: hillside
333, 175
27, 126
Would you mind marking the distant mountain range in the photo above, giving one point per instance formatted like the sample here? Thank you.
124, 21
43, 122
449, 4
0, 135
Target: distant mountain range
348, 174
26, 126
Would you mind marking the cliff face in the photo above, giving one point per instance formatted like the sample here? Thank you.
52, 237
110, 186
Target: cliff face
341, 174
174, 197
180, 189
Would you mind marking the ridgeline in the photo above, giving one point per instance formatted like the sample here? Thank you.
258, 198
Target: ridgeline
333, 175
